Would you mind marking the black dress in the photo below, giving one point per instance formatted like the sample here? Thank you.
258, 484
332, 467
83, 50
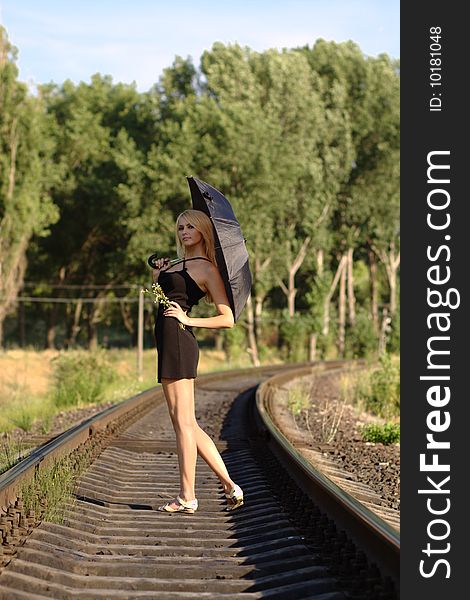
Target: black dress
178, 351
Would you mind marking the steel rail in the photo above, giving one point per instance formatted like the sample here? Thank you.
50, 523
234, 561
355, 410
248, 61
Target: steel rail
373, 535
42, 456
290, 559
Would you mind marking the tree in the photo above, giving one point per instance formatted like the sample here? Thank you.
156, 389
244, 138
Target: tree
102, 134
368, 199
26, 208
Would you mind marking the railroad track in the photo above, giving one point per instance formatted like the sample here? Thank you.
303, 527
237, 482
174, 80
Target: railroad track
291, 540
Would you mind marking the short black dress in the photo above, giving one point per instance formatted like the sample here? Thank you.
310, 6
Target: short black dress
177, 348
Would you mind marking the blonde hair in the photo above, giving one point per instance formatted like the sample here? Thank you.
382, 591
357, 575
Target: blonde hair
200, 221
203, 224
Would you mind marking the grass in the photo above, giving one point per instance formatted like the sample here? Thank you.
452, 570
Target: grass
12, 450
36, 385
375, 389
51, 488
389, 433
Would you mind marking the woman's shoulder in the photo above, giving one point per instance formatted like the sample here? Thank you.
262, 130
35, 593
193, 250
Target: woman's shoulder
204, 266
210, 267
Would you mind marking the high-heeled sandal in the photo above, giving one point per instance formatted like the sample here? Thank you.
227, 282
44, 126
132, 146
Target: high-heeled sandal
234, 498
189, 507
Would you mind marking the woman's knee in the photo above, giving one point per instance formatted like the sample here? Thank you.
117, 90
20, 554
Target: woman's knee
184, 423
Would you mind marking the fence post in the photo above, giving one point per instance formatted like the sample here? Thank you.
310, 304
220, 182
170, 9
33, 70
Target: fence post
140, 336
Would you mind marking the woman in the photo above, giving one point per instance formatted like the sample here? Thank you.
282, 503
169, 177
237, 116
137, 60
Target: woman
178, 353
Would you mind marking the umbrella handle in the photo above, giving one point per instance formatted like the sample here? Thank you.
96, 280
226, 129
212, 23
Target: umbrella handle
153, 257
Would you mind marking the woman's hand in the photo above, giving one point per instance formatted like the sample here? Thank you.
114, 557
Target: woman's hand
159, 264
176, 311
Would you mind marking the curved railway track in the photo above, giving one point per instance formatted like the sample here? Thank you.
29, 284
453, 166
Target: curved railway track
298, 536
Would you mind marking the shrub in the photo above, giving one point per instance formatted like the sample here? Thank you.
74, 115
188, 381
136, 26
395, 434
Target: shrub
384, 399
376, 390
293, 337
234, 341
362, 339
80, 378
384, 434
298, 399
22, 417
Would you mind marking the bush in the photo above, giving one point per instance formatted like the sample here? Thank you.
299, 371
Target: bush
376, 390
80, 378
393, 344
384, 399
293, 337
234, 343
298, 398
384, 434
361, 340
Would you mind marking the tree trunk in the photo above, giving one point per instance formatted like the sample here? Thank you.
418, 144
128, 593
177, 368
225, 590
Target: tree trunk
351, 297
51, 327
291, 293
127, 319
75, 325
259, 300
391, 262
320, 261
21, 326
11, 273
259, 268
374, 303
253, 348
95, 313
392, 280
53, 313
11, 252
291, 290
331, 291
312, 355
219, 341
384, 331
342, 312
92, 336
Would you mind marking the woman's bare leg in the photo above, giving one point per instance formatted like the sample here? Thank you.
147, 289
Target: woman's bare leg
208, 452
179, 395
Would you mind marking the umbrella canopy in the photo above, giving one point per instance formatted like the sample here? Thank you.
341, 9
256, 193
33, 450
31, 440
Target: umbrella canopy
230, 249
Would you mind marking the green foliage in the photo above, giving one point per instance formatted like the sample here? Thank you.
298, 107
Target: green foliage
12, 450
293, 337
393, 342
298, 398
52, 486
362, 339
22, 417
234, 343
389, 433
385, 388
304, 143
27, 173
375, 389
80, 378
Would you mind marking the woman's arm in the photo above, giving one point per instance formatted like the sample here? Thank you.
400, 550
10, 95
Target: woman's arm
224, 320
215, 286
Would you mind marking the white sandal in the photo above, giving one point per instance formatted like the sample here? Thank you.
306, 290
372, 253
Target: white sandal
189, 507
234, 497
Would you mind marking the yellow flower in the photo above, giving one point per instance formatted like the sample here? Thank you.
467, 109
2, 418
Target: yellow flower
161, 298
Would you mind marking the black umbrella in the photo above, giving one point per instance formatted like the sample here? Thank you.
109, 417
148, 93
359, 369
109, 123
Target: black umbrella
230, 250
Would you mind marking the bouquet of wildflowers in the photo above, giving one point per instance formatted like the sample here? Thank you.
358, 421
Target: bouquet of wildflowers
161, 298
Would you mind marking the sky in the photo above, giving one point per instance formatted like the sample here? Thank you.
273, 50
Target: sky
134, 41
